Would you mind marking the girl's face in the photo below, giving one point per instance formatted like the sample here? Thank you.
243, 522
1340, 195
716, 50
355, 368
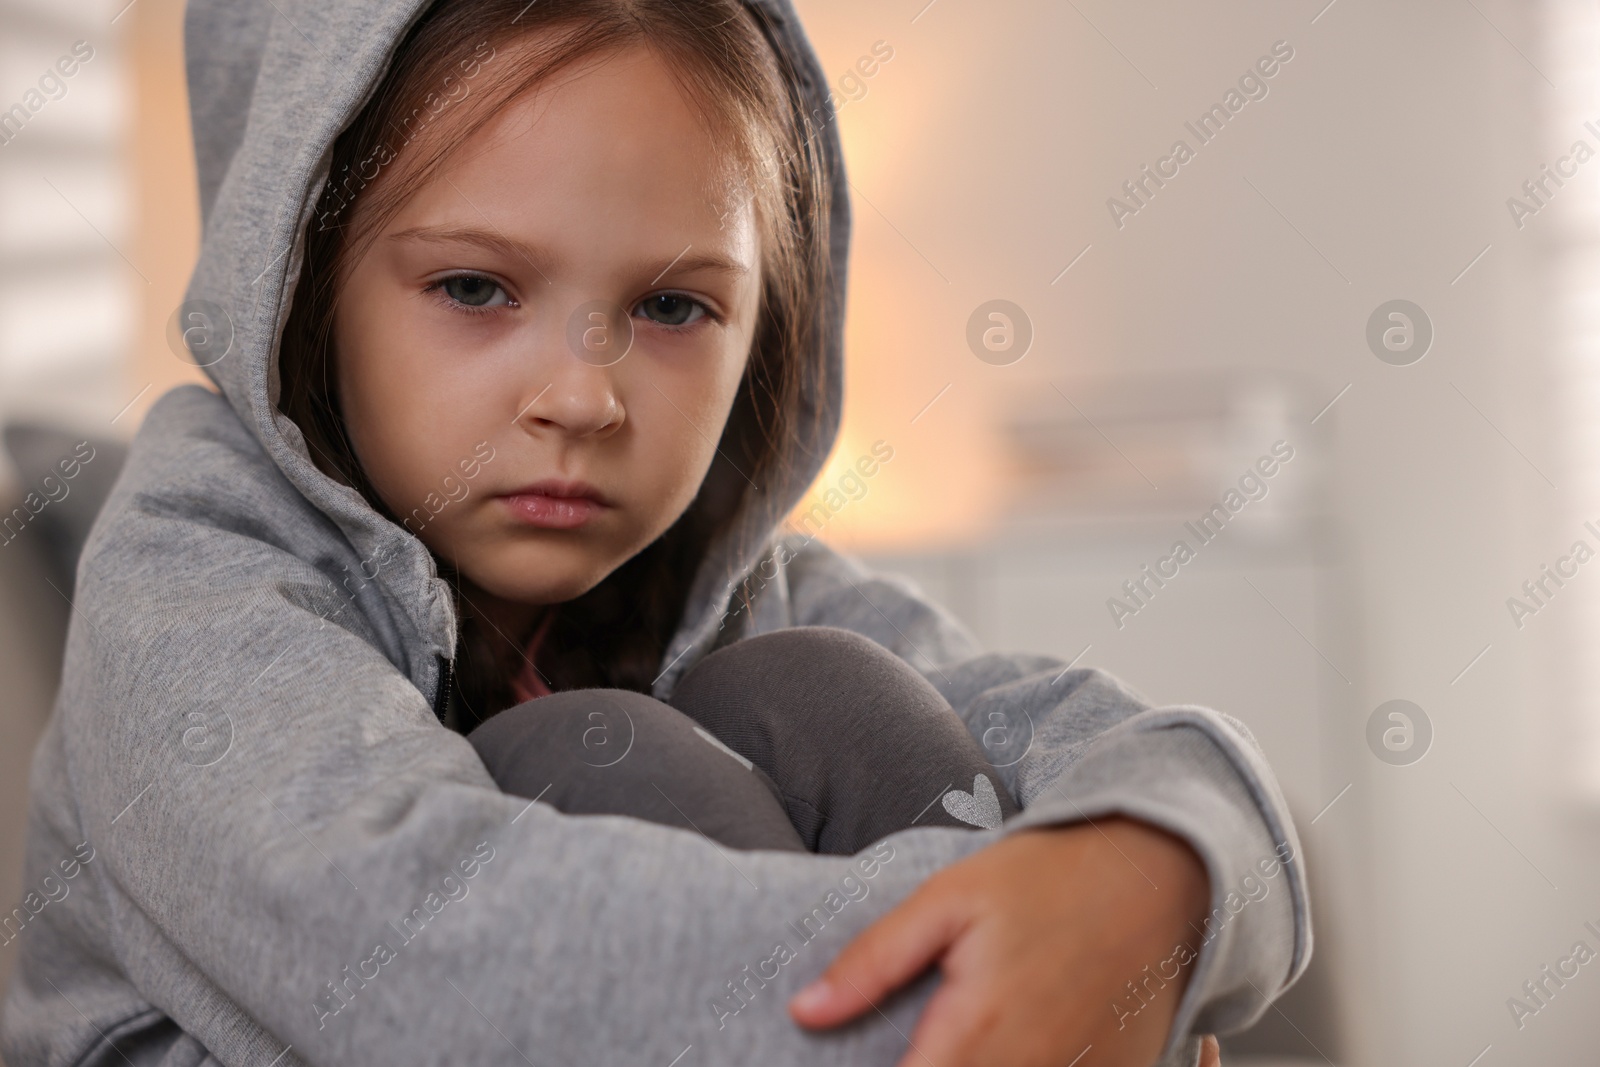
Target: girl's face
477, 326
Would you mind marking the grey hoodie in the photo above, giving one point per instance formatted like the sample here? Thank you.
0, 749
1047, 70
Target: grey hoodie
251, 840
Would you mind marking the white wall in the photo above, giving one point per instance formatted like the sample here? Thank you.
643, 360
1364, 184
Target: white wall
1377, 168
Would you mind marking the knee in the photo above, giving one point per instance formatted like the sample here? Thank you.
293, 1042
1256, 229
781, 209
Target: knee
829, 648
817, 679
619, 752
596, 727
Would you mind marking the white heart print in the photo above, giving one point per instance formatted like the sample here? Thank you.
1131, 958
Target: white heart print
978, 808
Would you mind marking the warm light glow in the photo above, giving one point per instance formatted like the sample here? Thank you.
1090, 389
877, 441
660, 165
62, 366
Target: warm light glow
904, 343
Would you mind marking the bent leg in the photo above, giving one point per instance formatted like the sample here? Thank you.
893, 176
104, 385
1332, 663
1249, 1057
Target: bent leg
617, 752
858, 742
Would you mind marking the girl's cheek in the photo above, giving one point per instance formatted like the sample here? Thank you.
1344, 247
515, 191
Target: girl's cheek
710, 375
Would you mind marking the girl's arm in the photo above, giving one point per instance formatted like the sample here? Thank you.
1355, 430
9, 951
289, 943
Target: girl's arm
1075, 745
346, 881
280, 848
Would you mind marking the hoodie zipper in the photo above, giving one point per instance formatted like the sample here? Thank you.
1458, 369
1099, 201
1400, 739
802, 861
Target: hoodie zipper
441, 697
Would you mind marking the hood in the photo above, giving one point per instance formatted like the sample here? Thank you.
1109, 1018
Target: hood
271, 86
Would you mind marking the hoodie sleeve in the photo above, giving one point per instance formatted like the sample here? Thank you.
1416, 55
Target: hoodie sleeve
1074, 745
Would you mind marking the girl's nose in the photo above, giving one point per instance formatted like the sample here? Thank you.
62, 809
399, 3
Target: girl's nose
572, 396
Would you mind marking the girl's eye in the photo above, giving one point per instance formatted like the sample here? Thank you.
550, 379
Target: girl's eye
473, 291
672, 309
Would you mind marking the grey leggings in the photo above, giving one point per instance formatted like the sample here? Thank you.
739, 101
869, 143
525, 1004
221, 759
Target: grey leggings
812, 739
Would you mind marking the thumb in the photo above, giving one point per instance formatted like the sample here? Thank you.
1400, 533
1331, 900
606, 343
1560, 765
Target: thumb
882, 957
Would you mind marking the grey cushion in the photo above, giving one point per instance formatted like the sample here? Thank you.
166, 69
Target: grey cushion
69, 505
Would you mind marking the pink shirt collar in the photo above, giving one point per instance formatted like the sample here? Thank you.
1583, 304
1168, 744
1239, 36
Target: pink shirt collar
528, 685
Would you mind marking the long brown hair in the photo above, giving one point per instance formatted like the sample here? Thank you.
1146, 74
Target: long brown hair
722, 53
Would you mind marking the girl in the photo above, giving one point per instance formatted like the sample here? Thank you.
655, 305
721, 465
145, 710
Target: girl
441, 689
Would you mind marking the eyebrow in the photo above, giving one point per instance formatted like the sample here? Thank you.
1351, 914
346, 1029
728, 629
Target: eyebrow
685, 262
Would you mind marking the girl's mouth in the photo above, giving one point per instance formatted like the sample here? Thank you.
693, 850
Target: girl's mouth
555, 505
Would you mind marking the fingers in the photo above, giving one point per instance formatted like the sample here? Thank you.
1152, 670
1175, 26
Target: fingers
951, 1025
1210, 1052
882, 958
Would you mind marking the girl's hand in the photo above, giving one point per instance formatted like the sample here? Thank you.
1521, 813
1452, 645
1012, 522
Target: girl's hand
1041, 938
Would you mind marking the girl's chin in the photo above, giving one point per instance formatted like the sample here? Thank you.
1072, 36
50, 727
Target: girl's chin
545, 568
555, 578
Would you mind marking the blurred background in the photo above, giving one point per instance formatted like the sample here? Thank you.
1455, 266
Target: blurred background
1381, 259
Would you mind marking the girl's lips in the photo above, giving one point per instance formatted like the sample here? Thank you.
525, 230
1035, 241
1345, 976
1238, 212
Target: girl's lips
552, 512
